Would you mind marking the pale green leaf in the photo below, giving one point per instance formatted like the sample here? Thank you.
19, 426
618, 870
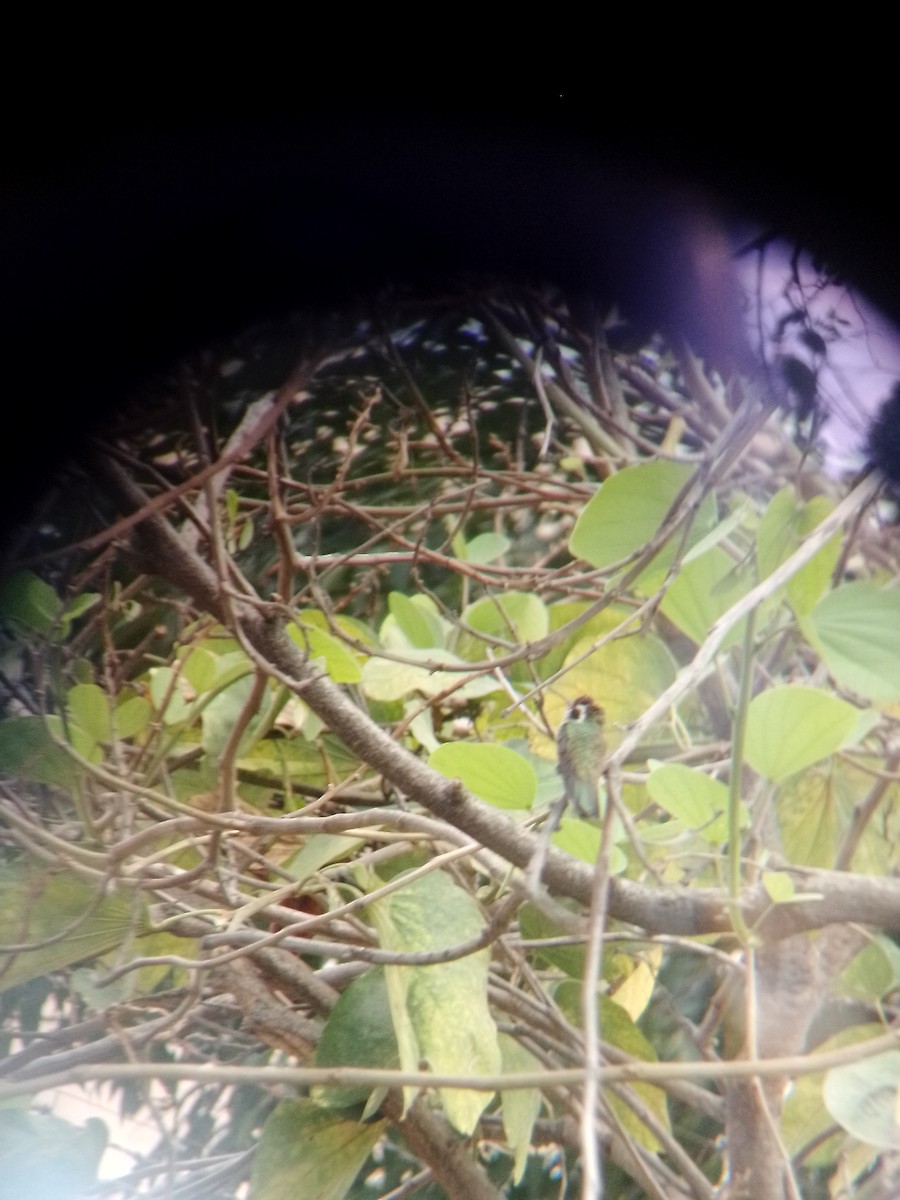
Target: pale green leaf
384, 679
805, 588
785, 524
693, 798
486, 548
131, 717
318, 852
417, 619
780, 887
628, 511
856, 629
807, 1126
512, 618
494, 773
340, 662
581, 839
813, 818
625, 676
440, 1012
89, 708
874, 971
79, 739
864, 1098
703, 590
421, 724
245, 537
521, 1106
221, 714
790, 728
200, 669
167, 697
719, 532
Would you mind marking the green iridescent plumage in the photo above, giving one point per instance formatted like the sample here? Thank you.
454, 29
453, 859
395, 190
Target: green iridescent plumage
580, 750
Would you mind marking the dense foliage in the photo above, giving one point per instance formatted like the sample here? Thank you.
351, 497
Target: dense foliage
285, 657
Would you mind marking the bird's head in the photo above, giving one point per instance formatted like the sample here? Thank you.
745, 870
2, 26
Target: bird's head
584, 709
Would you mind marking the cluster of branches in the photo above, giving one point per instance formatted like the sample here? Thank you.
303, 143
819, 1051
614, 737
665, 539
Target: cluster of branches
236, 779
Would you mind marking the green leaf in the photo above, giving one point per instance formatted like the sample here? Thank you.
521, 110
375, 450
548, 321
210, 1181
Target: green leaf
311, 1152
625, 676
617, 1028
536, 925
167, 697
776, 538
89, 708
703, 590
486, 548
495, 774
43, 1157
856, 630
521, 1106
28, 600
805, 588
340, 662
79, 739
421, 724
417, 619
863, 1097
790, 728
627, 512
357, 630
77, 607
813, 818
806, 1123
695, 799
27, 751
200, 669
780, 887
318, 852
511, 617
440, 1012
785, 524
383, 679
39, 906
288, 760
581, 839
221, 714
359, 1033
131, 717
720, 532
874, 971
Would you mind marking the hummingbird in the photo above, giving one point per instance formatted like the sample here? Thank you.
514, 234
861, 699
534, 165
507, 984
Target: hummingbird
580, 748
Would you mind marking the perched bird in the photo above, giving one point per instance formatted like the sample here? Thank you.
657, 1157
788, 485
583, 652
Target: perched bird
580, 748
